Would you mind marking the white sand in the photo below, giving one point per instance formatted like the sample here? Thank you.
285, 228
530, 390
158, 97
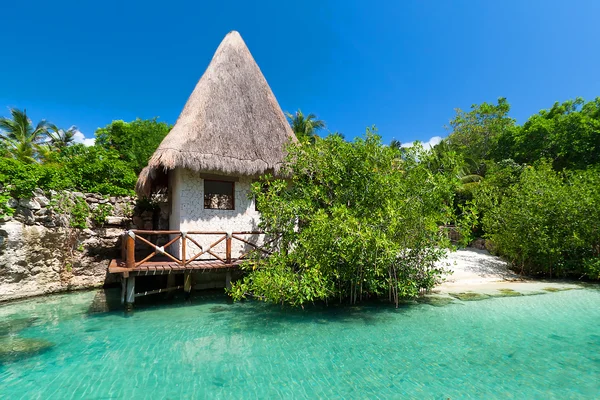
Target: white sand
478, 271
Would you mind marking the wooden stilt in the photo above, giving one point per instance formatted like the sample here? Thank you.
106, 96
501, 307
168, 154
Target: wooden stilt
123, 289
228, 280
130, 293
187, 284
170, 284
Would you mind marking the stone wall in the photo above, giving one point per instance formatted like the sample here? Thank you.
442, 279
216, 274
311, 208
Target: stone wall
40, 253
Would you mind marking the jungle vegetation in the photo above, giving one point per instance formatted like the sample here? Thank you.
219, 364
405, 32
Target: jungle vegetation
362, 219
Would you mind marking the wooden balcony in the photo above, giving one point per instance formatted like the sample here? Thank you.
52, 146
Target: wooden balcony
160, 260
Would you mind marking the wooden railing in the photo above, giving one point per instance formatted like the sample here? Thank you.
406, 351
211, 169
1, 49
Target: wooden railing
135, 236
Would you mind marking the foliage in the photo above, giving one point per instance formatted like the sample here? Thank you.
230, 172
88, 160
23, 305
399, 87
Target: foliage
568, 134
548, 222
5, 210
20, 137
88, 169
135, 141
60, 139
305, 127
100, 212
475, 133
73, 209
94, 169
355, 220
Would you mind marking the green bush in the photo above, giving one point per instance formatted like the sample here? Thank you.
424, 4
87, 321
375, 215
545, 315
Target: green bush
548, 223
79, 168
357, 220
100, 212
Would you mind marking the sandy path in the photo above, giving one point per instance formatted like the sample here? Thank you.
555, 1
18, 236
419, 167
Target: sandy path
478, 271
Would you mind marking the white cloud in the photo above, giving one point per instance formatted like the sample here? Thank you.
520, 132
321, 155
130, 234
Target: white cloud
428, 144
79, 137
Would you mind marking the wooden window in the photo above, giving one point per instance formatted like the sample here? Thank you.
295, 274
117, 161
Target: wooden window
219, 195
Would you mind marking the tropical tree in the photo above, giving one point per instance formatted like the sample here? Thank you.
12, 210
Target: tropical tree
350, 225
61, 138
20, 137
135, 141
396, 144
305, 126
475, 133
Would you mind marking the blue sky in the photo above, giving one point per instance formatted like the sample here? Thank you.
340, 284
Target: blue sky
400, 65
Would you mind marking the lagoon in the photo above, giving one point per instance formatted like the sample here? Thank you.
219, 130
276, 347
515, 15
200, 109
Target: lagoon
538, 346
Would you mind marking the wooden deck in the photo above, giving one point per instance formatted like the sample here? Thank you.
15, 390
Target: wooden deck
165, 266
161, 262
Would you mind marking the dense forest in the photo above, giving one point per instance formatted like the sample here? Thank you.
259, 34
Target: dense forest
362, 218
533, 190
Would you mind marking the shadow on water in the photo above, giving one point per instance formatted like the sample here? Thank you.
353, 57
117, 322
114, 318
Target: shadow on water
250, 315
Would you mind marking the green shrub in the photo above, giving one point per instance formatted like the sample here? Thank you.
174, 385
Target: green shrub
78, 168
357, 220
548, 222
100, 213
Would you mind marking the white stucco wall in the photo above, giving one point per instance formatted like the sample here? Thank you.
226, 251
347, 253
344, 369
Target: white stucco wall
188, 214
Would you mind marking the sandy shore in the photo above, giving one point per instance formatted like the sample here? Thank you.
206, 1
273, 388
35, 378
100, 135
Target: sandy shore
477, 271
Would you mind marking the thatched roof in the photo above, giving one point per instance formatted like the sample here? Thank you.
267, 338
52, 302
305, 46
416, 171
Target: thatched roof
230, 125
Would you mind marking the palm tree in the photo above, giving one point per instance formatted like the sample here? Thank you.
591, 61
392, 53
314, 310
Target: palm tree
305, 126
20, 137
61, 138
396, 144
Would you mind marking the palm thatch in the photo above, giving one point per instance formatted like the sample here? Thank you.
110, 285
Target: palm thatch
230, 125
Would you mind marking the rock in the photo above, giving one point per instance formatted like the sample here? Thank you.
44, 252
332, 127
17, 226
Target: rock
478, 244
14, 348
42, 201
91, 200
31, 204
103, 201
24, 215
113, 200
12, 203
38, 192
116, 220
36, 270
89, 232
78, 194
41, 211
111, 233
15, 325
148, 225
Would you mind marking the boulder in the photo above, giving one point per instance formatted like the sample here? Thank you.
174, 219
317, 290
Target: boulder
116, 220
42, 201
31, 204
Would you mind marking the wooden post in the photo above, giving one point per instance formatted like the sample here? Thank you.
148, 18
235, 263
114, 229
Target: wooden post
130, 260
170, 284
124, 246
123, 288
187, 284
130, 293
183, 247
228, 280
228, 248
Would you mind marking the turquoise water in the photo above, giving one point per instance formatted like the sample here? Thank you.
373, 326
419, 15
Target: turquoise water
544, 346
